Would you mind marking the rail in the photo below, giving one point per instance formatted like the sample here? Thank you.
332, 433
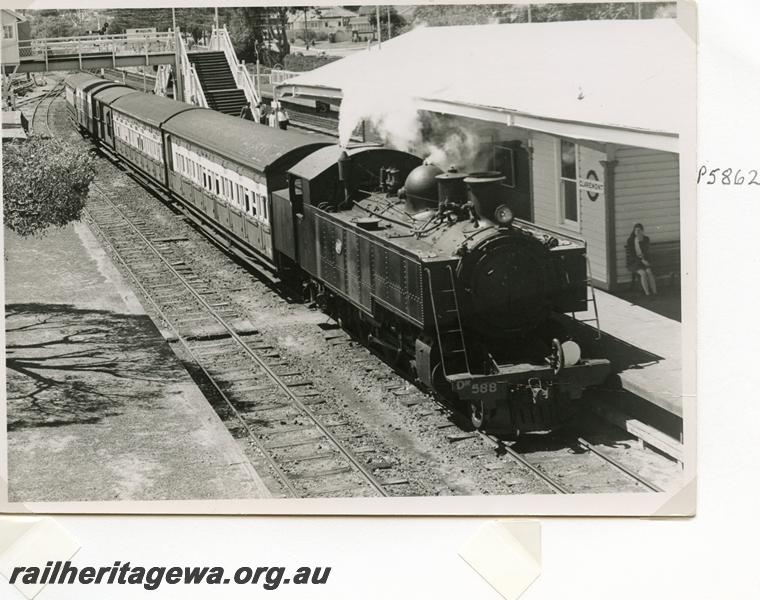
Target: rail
221, 42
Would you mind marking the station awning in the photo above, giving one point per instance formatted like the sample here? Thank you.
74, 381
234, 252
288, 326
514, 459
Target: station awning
623, 82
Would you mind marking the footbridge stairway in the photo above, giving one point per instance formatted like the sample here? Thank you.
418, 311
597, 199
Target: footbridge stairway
209, 76
218, 82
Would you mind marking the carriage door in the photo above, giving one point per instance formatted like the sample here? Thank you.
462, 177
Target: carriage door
266, 230
107, 125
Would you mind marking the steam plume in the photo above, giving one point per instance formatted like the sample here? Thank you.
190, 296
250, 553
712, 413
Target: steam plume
395, 116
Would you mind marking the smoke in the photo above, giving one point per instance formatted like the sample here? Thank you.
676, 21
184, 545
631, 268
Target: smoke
447, 142
388, 108
396, 118
391, 113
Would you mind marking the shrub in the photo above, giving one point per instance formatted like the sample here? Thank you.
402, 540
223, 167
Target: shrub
300, 62
45, 184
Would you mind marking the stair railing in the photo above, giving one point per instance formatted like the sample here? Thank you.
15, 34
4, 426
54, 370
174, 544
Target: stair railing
221, 42
193, 92
161, 87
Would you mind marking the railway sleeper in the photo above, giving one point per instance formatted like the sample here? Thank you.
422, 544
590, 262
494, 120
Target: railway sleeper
320, 474
306, 458
338, 491
252, 388
313, 441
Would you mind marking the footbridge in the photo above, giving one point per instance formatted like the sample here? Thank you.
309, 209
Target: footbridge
96, 52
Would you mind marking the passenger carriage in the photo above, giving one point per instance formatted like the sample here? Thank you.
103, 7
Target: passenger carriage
80, 89
227, 169
103, 116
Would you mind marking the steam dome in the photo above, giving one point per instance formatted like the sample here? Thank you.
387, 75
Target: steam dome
421, 188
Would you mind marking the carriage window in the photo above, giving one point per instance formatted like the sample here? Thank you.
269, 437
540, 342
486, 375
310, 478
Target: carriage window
264, 207
216, 180
569, 182
204, 179
247, 202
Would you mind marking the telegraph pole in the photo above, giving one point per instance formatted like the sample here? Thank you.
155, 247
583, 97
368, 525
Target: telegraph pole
379, 30
388, 16
174, 19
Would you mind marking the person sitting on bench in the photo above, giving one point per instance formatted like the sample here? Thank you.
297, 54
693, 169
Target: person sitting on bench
637, 259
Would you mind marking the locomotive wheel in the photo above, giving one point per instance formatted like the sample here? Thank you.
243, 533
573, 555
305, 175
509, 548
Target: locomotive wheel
477, 414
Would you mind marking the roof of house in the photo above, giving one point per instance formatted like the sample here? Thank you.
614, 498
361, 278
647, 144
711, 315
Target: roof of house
330, 12
634, 76
16, 15
327, 12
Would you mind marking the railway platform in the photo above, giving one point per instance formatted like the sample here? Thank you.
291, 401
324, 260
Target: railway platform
644, 347
98, 405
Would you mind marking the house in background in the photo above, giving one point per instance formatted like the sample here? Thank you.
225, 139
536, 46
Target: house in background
16, 38
332, 23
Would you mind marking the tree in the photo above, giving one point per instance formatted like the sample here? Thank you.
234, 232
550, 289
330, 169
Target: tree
261, 32
45, 184
397, 21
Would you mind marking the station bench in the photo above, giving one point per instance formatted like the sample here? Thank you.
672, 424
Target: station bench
666, 262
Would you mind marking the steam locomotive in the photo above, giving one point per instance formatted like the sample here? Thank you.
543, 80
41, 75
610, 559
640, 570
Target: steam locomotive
430, 267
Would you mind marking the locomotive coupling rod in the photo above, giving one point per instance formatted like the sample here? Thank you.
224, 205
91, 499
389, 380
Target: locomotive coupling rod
619, 466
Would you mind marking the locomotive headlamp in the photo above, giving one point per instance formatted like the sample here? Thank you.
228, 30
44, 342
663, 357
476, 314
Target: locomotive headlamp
571, 352
503, 215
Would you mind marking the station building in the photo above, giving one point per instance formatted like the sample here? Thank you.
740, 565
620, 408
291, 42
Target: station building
590, 121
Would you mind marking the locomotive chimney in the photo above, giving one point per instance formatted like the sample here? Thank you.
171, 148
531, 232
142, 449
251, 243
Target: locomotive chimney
344, 174
451, 188
485, 192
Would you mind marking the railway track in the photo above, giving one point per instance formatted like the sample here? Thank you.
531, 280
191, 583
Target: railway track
553, 482
134, 80
280, 411
39, 124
